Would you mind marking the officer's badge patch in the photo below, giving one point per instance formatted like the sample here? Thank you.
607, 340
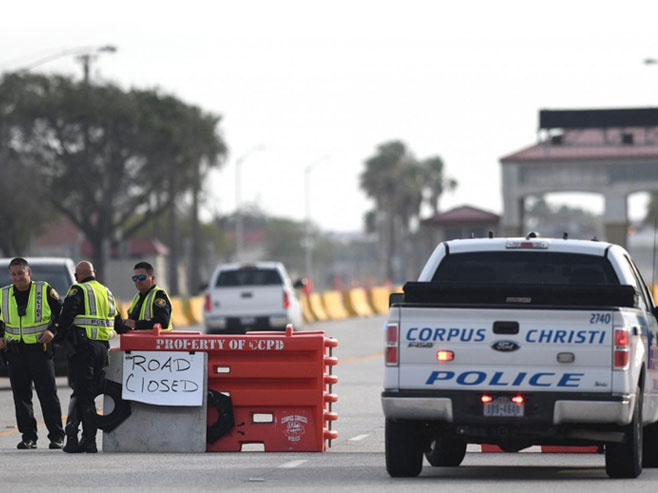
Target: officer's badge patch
72, 292
159, 302
54, 294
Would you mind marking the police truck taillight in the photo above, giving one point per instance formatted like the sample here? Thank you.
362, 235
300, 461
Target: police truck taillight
443, 355
206, 305
518, 399
391, 356
286, 299
622, 348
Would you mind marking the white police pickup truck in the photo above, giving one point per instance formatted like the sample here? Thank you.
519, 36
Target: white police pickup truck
519, 342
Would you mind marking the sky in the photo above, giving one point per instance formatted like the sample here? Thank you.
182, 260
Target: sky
307, 90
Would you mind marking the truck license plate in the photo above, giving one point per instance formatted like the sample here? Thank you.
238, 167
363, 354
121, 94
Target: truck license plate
503, 407
247, 320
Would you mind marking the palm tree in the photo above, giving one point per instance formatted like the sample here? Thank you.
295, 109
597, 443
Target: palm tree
436, 181
399, 184
380, 181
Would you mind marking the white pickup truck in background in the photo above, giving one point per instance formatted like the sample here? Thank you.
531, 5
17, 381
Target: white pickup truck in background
519, 342
255, 296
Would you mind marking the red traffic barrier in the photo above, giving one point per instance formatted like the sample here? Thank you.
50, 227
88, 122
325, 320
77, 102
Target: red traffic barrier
280, 384
490, 449
560, 449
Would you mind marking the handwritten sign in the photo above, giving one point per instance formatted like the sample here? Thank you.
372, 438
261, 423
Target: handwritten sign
163, 378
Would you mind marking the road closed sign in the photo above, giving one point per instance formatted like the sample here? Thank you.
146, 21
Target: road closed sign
163, 378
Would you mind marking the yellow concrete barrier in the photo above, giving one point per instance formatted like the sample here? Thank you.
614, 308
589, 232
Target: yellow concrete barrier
357, 303
333, 304
317, 308
307, 313
193, 309
379, 298
178, 317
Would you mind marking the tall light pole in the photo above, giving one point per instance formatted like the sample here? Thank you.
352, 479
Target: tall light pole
308, 241
239, 225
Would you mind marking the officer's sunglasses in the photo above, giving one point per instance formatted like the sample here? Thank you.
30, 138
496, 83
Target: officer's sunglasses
140, 277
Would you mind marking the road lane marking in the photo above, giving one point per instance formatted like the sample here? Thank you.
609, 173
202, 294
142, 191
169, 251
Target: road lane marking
9, 432
354, 359
39, 425
291, 464
358, 437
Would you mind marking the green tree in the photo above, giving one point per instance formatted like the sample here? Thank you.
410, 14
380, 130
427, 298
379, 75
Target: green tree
21, 218
21, 215
105, 153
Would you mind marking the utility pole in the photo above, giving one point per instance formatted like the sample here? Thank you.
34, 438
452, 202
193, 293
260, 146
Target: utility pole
85, 55
88, 57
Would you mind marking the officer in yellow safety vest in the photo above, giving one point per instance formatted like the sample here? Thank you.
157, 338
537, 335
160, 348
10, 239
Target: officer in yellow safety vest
87, 320
28, 312
151, 305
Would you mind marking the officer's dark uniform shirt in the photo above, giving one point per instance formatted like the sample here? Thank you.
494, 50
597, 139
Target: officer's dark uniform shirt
54, 302
74, 304
161, 311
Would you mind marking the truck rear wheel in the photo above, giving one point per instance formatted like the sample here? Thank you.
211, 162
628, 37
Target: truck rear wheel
446, 451
624, 460
404, 449
650, 446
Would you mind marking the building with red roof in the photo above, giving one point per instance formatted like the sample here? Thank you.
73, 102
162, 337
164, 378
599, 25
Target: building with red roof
461, 222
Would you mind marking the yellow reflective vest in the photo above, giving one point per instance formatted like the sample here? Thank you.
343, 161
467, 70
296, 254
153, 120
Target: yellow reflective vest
100, 310
30, 326
146, 312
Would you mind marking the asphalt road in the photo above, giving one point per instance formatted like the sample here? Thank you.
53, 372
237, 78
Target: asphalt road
354, 462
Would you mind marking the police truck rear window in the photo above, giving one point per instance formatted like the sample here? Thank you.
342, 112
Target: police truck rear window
544, 268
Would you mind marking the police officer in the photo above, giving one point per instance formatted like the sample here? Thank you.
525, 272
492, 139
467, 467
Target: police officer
151, 305
28, 312
87, 319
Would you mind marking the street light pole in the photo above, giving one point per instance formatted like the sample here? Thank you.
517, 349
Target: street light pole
239, 225
308, 242
307, 223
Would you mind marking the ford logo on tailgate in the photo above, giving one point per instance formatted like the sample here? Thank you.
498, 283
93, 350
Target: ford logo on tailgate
505, 346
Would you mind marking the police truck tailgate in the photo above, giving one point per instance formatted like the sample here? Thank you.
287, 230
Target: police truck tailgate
506, 349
